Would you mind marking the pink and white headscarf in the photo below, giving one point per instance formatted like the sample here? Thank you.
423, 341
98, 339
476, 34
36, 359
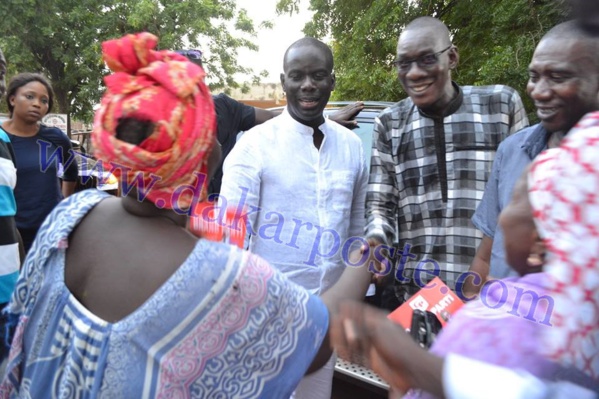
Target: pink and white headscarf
564, 194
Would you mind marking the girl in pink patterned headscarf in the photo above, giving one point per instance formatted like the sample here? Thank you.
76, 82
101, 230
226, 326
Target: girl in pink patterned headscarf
564, 194
548, 321
545, 322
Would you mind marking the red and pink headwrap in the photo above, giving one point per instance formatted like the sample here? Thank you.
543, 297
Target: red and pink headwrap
162, 87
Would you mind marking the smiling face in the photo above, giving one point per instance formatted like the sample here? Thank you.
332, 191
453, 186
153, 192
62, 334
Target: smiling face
30, 103
430, 88
563, 82
307, 81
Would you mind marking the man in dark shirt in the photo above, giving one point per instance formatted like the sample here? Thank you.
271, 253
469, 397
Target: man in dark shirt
234, 117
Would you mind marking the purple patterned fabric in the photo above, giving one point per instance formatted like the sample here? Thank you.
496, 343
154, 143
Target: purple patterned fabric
502, 327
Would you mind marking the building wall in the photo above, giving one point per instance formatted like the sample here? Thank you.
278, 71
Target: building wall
264, 95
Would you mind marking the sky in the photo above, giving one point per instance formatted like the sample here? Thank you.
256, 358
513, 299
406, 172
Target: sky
272, 42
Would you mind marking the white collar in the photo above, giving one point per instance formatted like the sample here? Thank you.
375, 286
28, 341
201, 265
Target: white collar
300, 127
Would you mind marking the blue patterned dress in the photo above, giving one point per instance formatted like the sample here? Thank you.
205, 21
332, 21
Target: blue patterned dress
224, 325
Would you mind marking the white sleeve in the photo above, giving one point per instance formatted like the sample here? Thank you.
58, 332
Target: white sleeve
465, 378
240, 187
358, 220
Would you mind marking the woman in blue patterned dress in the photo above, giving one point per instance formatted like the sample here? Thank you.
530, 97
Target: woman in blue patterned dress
118, 300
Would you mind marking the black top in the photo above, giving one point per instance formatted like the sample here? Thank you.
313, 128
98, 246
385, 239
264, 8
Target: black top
232, 118
40, 160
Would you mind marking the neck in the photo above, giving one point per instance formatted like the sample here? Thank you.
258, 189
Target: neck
440, 107
555, 139
21, 128
315, 123
148, 209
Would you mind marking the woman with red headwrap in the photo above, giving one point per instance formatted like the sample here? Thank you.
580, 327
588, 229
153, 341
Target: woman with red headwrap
117, 299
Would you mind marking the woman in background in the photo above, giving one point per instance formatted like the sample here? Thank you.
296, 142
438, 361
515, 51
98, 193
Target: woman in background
41, 153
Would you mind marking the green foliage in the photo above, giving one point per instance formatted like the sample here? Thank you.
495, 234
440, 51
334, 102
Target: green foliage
495, 38
288, 6
62, 39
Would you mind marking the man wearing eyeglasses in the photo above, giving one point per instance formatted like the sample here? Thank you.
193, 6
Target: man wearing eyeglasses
234, 117
432, 155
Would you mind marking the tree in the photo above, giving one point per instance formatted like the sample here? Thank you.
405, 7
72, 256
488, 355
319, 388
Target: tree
495, 38
62, 39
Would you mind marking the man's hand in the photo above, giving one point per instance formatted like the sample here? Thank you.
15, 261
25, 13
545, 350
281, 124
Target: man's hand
362, 330
68, 188
346, 116
379, 262
479, 270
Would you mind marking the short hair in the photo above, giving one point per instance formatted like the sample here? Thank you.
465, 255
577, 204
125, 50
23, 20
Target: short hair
23, 79
430, 24
134, 131
310, 41
573, 30
2, 73
568, 29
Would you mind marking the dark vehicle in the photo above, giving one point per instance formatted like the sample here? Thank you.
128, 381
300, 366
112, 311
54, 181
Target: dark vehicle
351, 377
90, 174
365, 120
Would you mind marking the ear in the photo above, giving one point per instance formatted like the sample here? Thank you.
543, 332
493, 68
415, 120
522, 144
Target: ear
333, 80
11, 99
454, 57
282, 77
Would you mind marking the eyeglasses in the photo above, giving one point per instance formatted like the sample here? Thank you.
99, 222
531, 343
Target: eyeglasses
191, 54
425, 61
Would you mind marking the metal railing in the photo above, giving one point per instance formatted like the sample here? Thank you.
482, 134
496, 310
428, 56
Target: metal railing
360, 373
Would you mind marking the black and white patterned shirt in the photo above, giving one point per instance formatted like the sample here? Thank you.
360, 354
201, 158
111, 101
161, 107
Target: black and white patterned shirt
428, 175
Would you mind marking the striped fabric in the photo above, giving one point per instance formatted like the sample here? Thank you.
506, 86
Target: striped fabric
428, 175
9, 250
224, 325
